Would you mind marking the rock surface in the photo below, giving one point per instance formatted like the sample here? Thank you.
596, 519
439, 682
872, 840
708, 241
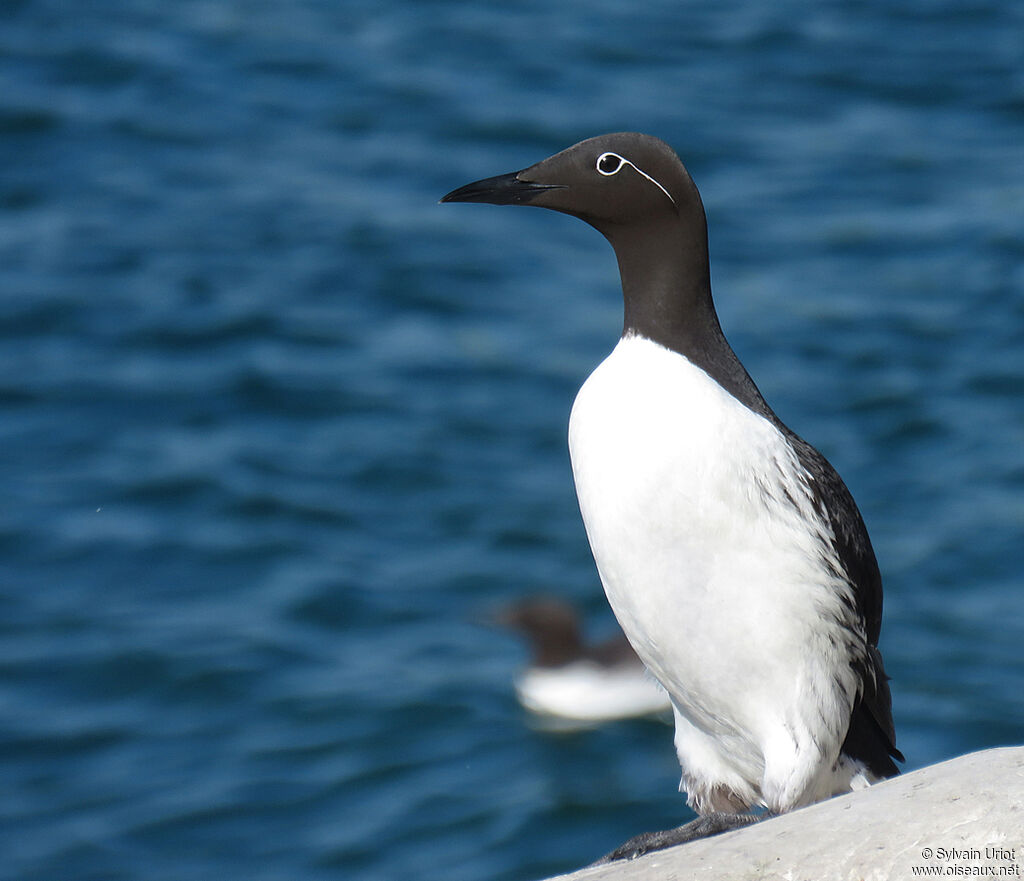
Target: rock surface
958, 819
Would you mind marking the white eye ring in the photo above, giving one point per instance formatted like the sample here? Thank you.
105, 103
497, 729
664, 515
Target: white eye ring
605, 156
622, 162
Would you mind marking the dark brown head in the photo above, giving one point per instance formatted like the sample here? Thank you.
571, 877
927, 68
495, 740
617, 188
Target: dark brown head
610, 181
551, 627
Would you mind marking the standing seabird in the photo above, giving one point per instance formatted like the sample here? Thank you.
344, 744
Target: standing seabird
571, 682
731, 552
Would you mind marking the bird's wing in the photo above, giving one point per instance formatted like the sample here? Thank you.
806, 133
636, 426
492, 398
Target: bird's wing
871, 737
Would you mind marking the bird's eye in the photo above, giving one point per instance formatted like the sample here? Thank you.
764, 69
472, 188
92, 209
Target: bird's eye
609, 163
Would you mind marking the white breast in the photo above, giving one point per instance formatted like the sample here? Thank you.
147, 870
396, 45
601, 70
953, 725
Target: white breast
715, 561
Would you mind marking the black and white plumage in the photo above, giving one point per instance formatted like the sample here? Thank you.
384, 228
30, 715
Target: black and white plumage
731, 552
575, 682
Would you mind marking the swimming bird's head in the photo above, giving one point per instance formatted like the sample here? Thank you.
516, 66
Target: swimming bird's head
551, 626
611, 181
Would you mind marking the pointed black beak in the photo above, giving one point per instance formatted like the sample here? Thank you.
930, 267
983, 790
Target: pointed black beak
505, 189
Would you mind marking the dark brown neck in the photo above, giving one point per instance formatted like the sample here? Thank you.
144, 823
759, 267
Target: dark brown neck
666, 289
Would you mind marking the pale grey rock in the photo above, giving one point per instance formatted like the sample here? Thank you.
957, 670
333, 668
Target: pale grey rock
959, 819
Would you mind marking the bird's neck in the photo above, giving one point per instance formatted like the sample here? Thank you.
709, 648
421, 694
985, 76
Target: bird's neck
666, 285
555, 649
666, 288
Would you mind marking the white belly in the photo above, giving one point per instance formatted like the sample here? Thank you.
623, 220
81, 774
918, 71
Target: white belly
697, 511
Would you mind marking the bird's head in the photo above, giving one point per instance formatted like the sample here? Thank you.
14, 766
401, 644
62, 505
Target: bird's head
612, 182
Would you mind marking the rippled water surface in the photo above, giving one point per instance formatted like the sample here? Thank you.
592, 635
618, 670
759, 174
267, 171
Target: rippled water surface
278, 431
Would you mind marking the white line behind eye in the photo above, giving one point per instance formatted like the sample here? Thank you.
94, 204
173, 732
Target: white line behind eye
624, 161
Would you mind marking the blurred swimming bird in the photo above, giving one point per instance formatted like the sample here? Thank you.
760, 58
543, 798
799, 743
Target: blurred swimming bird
731, 551
574, 681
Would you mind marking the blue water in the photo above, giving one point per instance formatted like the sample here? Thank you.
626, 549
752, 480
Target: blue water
277, 431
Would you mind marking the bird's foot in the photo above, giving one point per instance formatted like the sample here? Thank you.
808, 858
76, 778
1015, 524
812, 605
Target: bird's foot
702, 827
